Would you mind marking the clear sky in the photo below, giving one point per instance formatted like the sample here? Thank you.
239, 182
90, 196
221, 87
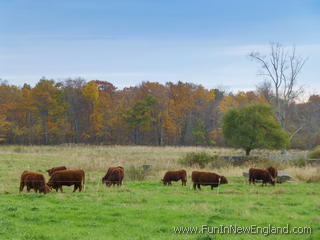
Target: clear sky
130, 41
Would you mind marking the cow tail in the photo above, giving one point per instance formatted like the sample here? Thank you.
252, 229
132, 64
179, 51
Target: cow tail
83, 180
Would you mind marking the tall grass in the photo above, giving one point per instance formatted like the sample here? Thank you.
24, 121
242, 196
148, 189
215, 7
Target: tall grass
97, 159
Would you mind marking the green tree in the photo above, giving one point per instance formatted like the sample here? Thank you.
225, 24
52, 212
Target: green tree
140, 116
253, 126
201, 135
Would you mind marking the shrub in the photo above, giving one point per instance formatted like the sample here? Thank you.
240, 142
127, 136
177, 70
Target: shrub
315, 153
136, 173
200, 159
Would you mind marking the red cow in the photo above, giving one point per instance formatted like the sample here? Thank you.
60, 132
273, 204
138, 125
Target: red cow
260, 174
114, 176
273, 172
175, 176
207, 179
67, 178
34, 181
54, 169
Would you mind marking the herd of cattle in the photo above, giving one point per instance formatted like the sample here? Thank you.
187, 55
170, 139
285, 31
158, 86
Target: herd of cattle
61, 176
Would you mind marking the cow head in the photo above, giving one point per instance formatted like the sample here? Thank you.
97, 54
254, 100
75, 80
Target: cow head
103, 180
50, 184
47, 188
163, 181
49, 171
223, 180
108, 183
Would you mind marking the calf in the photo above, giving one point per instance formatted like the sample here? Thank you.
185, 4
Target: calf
67, 178
175, 176
33, 181
260, 174
114, 176
54, 169
207, 179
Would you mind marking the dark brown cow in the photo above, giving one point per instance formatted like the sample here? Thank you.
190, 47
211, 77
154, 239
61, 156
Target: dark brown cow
54, 169
33, 181
207, 179
114, 176
175, 176
67, 178
260, 174
273, 172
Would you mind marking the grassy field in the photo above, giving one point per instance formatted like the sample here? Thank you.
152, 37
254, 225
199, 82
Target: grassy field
144, 209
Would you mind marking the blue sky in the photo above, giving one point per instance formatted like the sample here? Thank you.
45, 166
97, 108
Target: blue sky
127, 42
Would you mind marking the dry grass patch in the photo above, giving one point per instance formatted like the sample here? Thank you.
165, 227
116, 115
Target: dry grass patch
308, 173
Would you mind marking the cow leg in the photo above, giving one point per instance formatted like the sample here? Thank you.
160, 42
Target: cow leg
60, 188
199, 187
80, 187
194, 186
211, 187
75, 187
169, 183
28, 188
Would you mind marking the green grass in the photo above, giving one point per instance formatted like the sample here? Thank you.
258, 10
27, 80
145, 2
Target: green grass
145, 210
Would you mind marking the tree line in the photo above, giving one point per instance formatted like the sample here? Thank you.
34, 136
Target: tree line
177, 114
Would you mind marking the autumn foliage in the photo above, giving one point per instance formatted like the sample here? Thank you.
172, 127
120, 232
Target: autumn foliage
96, 112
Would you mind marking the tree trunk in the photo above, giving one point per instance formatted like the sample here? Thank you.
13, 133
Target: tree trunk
248, 150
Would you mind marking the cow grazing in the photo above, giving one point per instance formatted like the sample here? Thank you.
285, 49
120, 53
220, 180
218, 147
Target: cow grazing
67, 178
260, 174
54, 169
33, 181
175, 176
114, 176
207, 179
273, 172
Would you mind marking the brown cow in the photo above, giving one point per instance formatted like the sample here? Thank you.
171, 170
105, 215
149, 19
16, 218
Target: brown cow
67, 178
54, 169
34, 181
207, 179
175, 176
260, 174
273, 172
114, 176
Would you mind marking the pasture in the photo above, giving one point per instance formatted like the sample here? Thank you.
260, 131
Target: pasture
145, 209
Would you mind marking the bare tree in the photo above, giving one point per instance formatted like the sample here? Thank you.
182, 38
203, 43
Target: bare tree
265, 89
280, 69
